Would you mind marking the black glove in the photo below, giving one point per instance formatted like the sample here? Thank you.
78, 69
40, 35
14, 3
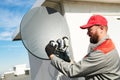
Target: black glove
50, 48
62, 49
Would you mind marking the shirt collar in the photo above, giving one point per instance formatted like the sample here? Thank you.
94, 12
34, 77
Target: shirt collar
92, 46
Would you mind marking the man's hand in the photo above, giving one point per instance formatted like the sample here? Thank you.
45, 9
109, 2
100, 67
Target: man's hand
59, 48
62, 49
50, 48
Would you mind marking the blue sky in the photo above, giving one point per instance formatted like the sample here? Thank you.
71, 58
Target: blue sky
11, 13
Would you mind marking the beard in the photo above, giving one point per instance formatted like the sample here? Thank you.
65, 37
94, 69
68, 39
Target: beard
94, 39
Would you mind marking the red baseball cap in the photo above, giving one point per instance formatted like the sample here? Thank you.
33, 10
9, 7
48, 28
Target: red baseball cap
95, 20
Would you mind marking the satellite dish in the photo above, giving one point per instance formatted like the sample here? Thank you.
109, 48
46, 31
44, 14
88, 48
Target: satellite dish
39, 26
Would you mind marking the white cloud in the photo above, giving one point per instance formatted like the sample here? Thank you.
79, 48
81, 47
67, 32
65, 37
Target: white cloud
5, 35
17, 2
11, 16
8, 22
9, 19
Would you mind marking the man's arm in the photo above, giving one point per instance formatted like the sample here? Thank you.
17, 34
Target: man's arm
89, 65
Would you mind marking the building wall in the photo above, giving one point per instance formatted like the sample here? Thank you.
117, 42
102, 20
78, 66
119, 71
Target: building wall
12, 76
41, 69
90, 7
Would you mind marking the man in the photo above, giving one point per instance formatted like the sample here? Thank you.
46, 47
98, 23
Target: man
102, 61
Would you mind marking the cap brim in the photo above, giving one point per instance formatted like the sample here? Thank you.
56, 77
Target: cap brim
86, 26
